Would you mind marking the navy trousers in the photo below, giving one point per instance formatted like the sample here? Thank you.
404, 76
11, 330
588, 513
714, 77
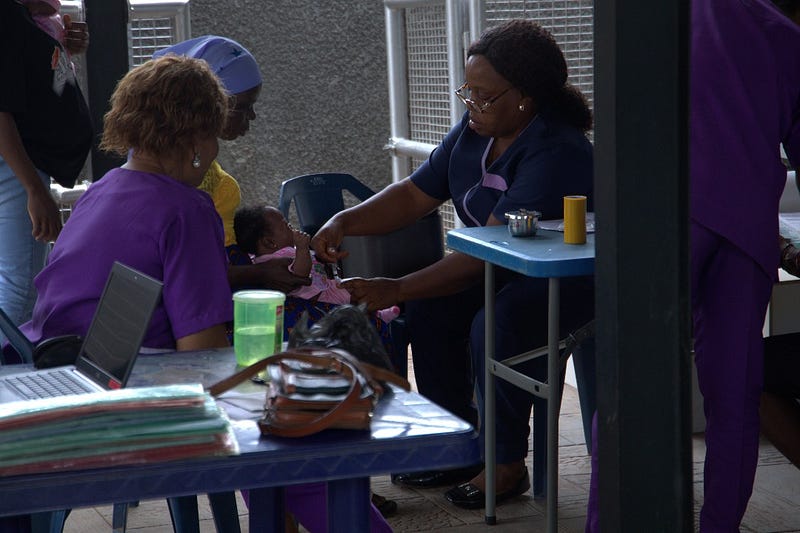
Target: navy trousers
521, 325
447, 342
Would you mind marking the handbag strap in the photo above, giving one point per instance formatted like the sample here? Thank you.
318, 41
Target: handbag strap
323, 359
374, 374
370, 372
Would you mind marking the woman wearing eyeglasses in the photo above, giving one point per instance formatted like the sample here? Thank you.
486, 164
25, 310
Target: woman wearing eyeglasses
521, 145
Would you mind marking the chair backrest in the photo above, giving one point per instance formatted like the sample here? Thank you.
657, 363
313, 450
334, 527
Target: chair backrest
395, 254
16, 339
317, 197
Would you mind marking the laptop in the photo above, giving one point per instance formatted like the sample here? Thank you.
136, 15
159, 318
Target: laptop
108, 352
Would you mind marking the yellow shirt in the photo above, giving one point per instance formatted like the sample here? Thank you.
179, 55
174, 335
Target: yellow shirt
224, 191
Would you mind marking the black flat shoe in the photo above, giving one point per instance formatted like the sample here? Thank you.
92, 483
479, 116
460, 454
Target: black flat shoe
468, 496
437, 478
386, 507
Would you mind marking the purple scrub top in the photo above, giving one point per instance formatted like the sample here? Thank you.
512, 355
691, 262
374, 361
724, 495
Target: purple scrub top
150, 222
736, 173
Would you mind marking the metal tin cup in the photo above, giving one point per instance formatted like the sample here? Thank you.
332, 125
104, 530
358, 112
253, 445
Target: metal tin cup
523, 223
257, 325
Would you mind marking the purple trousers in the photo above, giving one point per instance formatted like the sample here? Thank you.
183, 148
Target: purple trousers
308, 503
730, 293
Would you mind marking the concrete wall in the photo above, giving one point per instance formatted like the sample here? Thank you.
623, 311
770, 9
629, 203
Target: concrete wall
324, 104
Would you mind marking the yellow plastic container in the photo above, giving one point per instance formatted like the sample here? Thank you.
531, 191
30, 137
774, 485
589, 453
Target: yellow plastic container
575, 219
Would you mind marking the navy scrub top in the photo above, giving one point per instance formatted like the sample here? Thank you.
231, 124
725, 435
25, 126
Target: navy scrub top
549, 160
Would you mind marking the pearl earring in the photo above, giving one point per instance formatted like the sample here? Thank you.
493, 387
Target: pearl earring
522, 107
196, 160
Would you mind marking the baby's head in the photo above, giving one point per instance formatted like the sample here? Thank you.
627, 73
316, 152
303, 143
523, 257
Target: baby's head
261, 230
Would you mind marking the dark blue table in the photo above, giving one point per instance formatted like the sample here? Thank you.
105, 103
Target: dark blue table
543, 256
408, 433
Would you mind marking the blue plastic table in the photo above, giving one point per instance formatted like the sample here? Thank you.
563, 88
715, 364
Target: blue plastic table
542, 256
408, 433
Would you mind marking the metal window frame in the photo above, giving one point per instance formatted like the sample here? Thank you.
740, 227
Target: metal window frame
400, 145
177, 11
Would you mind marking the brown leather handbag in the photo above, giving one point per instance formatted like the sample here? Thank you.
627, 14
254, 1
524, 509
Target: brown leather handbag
313, 388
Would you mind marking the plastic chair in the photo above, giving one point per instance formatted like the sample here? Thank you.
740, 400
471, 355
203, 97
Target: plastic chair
16, 340
317, 197
185, 516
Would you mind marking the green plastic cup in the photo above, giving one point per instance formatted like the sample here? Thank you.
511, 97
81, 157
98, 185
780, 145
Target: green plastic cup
257, 325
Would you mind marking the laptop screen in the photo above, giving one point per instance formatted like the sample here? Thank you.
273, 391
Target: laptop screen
118, 327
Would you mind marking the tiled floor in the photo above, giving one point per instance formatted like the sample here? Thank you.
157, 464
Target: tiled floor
773, 507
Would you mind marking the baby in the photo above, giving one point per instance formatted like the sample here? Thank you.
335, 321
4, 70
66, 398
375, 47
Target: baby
264, 233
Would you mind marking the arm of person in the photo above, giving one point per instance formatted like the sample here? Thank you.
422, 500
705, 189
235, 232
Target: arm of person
273, 274
397, 206
453, 273
213, 337
42, 209
302, 258
790, 256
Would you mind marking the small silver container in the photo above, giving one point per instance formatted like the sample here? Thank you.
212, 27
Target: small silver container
523, 223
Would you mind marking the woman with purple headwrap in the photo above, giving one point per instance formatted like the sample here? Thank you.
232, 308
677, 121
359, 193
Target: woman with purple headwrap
238, 71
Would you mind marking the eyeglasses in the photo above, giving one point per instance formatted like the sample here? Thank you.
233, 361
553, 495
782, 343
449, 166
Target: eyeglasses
241, 110
477, 105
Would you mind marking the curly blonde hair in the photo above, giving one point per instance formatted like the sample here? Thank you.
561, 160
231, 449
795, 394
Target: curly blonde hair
163, 105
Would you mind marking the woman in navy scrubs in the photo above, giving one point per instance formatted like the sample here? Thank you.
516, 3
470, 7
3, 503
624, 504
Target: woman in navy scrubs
521, 145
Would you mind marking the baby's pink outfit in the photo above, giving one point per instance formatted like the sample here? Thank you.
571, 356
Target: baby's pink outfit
322, 285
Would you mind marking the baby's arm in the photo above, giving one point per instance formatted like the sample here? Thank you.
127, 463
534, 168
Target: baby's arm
302, 259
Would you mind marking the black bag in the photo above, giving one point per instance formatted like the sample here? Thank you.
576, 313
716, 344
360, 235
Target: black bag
57, 351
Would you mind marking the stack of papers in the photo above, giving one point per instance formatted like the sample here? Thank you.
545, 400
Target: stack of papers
127, 426
558, 224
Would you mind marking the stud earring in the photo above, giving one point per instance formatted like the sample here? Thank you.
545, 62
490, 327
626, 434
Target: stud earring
522, 107
196, 160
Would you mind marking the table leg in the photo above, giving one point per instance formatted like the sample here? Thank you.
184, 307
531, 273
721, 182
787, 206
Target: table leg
489, 394
267, 510
553, 397
348, 505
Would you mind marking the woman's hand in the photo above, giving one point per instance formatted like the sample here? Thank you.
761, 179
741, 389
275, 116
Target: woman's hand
377, 293
301, 239
790, 257
275, 274
45, 216
76, 36
326, 242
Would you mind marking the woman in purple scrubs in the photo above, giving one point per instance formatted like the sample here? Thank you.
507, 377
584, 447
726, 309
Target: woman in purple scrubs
745, 103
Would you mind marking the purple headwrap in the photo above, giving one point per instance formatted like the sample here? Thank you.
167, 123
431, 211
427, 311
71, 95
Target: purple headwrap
230, 61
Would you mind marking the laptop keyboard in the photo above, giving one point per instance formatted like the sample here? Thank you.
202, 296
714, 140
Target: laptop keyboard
48, 384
